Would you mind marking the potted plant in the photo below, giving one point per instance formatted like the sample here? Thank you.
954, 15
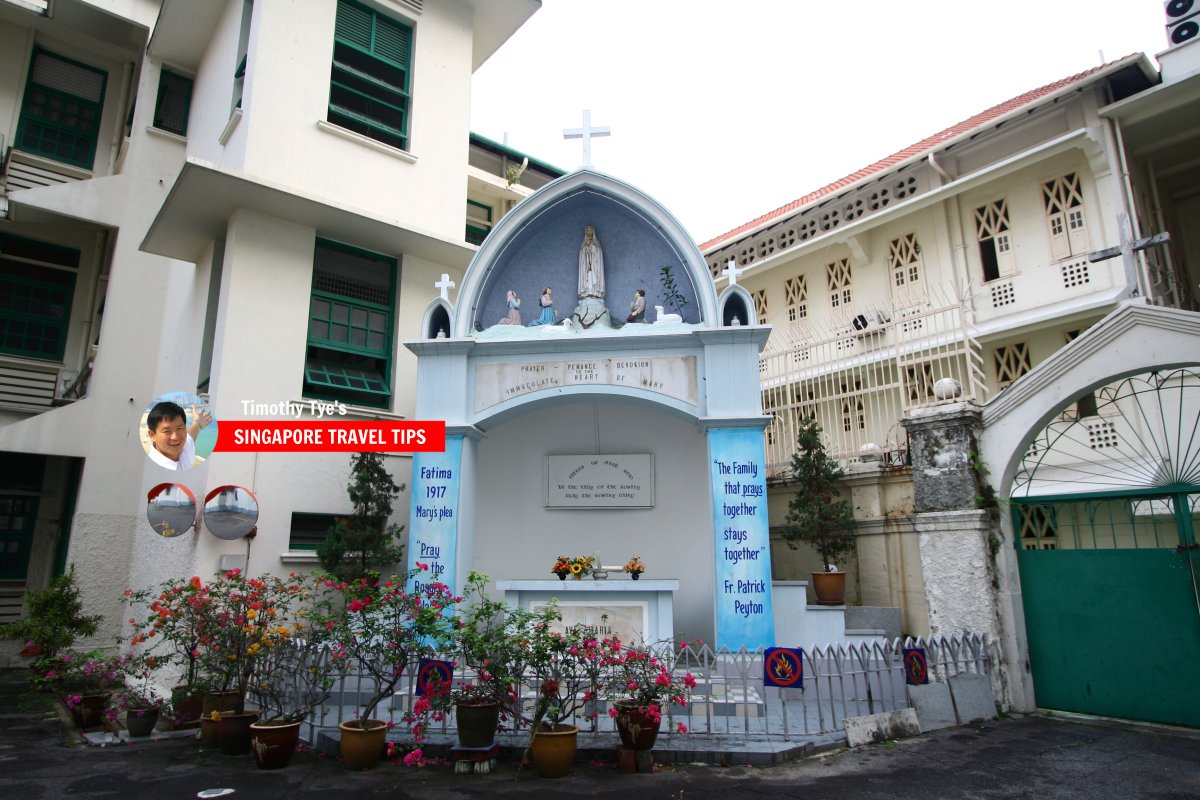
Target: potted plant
245, 620
568, 669
581, 566
84, 681
138, 700
816, 515
386, 626
173, 620
365, 542
643, 687
635, 567
295, 672
562, 567
54, 618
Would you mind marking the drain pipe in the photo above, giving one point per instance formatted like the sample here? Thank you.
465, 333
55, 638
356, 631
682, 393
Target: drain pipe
954, 227
1117, 143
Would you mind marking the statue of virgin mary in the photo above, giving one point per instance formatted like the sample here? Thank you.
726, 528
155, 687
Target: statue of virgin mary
591, 265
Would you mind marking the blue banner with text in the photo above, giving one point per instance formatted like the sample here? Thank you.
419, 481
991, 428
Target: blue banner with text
743, 547
433, 515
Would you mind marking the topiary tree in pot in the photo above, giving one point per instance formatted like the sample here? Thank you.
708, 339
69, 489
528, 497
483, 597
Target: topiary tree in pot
816, 515
364, 544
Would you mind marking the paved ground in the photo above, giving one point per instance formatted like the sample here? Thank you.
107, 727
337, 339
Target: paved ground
1033, 757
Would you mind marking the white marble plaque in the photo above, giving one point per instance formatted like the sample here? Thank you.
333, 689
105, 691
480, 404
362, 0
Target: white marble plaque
600, 481
674, 376
625, 620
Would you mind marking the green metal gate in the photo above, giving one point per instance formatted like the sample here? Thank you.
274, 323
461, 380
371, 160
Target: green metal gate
1105, 512
1112, 630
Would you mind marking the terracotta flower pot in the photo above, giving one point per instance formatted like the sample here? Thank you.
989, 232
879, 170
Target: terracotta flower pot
188, 707
219, 701
362, 742
477, 723
273, 743
830, 588
554, 751
208, 732
233, 732
88, 710
637, 730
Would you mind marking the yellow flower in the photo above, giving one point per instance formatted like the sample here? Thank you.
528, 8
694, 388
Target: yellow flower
576, 569
251, 614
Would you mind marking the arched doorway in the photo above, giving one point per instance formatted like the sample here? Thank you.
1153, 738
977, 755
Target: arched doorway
1104, 513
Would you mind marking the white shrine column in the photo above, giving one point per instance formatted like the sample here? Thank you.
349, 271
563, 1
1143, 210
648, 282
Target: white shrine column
442, 510
734, 425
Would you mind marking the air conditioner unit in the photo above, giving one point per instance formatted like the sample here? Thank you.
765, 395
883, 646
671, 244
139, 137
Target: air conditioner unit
868, 321
1183, 21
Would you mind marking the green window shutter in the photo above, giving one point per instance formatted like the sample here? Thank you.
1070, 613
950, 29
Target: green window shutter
350, 326
354, 24
35, 300
392, 41
368, 90
61, 110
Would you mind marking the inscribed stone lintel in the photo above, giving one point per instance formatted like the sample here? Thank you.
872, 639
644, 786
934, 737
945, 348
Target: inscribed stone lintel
673, 376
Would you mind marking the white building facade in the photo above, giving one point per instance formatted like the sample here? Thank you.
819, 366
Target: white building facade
250, 200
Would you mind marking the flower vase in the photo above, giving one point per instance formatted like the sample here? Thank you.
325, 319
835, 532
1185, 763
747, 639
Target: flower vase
562, 576
635, 575
637, 729
273, 743
362, 742
578, 576
477, 723
554, 750
87, 709
140, 722
233, 732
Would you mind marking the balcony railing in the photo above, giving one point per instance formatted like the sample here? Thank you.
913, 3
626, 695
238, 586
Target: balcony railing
860, 375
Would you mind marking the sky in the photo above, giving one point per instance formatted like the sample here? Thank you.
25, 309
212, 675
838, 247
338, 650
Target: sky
723, 111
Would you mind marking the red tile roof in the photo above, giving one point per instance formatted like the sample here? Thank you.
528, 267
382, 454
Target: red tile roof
921, 148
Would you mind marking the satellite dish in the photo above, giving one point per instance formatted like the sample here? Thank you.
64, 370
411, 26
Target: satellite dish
171, 510
230, 512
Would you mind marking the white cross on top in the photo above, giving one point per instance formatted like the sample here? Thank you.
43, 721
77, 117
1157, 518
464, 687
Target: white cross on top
444, 285
731, 271
586, 133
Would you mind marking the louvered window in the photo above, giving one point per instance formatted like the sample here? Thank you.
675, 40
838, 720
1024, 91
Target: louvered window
479, 222
369, 88
174, 100
35, 298
1066, 221
995, 247
60, 114
350, 326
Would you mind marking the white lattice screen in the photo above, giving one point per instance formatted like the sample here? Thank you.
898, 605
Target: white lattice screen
1012, 361
837, 275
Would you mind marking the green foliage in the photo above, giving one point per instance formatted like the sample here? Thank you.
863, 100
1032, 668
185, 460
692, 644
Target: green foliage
55, 618
816, 515
672, 297
364, 543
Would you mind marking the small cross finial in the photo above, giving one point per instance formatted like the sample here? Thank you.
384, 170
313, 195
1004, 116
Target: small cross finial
444, 286
731, 271
586, 133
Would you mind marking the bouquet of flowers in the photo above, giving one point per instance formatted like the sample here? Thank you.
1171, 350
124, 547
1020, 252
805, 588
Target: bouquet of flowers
635, 566
582, 565
562, 566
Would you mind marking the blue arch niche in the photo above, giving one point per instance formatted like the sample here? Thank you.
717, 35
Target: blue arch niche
537, 245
